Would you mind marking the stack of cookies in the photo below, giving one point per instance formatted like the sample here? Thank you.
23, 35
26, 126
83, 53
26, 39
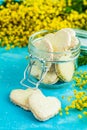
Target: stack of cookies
32, 99
57, 48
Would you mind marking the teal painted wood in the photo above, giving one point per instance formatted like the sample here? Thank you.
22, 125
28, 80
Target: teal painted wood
12, 117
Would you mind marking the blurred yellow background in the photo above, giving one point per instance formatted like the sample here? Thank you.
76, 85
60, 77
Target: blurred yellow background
18, 20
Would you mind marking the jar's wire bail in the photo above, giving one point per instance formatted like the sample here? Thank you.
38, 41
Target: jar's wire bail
27, 72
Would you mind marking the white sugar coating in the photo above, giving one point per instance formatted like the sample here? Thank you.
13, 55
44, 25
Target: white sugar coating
42, 107
44, 46
71, 31
65, 70
50, 37
74, 39
51, 76
62, 40
20, 97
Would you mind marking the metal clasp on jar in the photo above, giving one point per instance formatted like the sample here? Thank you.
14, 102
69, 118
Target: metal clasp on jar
28, 70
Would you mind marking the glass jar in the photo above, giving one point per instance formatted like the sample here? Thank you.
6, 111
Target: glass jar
51, 69
82, 35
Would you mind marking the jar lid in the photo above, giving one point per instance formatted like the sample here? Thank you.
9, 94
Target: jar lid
82, 35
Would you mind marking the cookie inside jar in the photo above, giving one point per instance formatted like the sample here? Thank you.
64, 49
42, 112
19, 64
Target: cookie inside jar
59, 50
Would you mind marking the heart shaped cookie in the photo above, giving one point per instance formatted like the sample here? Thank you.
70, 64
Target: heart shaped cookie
43, 48
51, 76
71, 31
20, 97
65, 70
42, 107
62, 40
74, 39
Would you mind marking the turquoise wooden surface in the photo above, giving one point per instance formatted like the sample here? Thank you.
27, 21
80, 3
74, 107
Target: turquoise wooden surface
2, 1
12, 117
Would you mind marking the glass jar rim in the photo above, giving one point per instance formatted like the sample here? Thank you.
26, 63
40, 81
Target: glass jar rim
72, 50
